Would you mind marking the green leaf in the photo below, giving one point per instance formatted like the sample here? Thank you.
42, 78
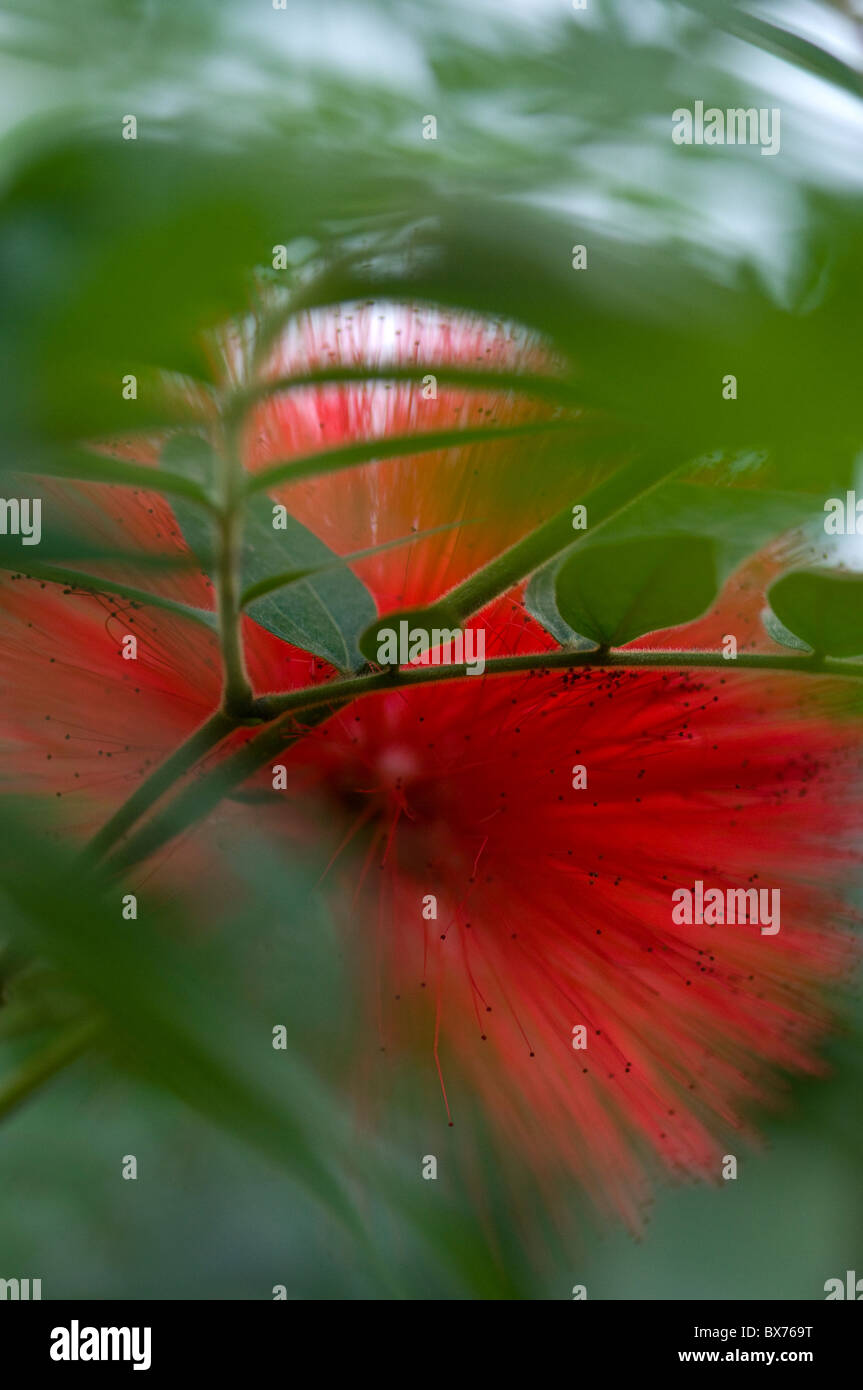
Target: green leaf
101, 584
657, 359
555, 390
395, 446
540, 600
419, 619
286, 577
82, 466
823, 607
324, 613
738, 520
617, 592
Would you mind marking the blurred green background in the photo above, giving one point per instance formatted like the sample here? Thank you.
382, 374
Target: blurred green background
232, 1201
259, 126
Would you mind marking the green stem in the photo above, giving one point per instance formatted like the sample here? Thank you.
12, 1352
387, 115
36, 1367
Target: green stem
47, 1063
311, 697
236, 690
318, 703
196, 801
205, 738
237, 699
603, 502
237, 706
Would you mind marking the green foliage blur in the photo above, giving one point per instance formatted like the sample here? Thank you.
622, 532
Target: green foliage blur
301, 127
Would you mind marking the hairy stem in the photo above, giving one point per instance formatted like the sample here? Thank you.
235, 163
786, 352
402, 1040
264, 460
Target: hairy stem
236, 690
310, 697
210, 733
603, 502
315, 704
45, 1064
195, 802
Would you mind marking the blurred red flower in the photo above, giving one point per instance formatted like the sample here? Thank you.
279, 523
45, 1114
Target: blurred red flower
498, 908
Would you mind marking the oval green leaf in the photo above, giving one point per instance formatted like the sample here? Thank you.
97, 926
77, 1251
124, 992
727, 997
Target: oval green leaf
324, 613
401, 630
823, 607
540, 600
617, 592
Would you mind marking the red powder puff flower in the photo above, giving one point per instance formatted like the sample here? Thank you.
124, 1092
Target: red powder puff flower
515, 925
